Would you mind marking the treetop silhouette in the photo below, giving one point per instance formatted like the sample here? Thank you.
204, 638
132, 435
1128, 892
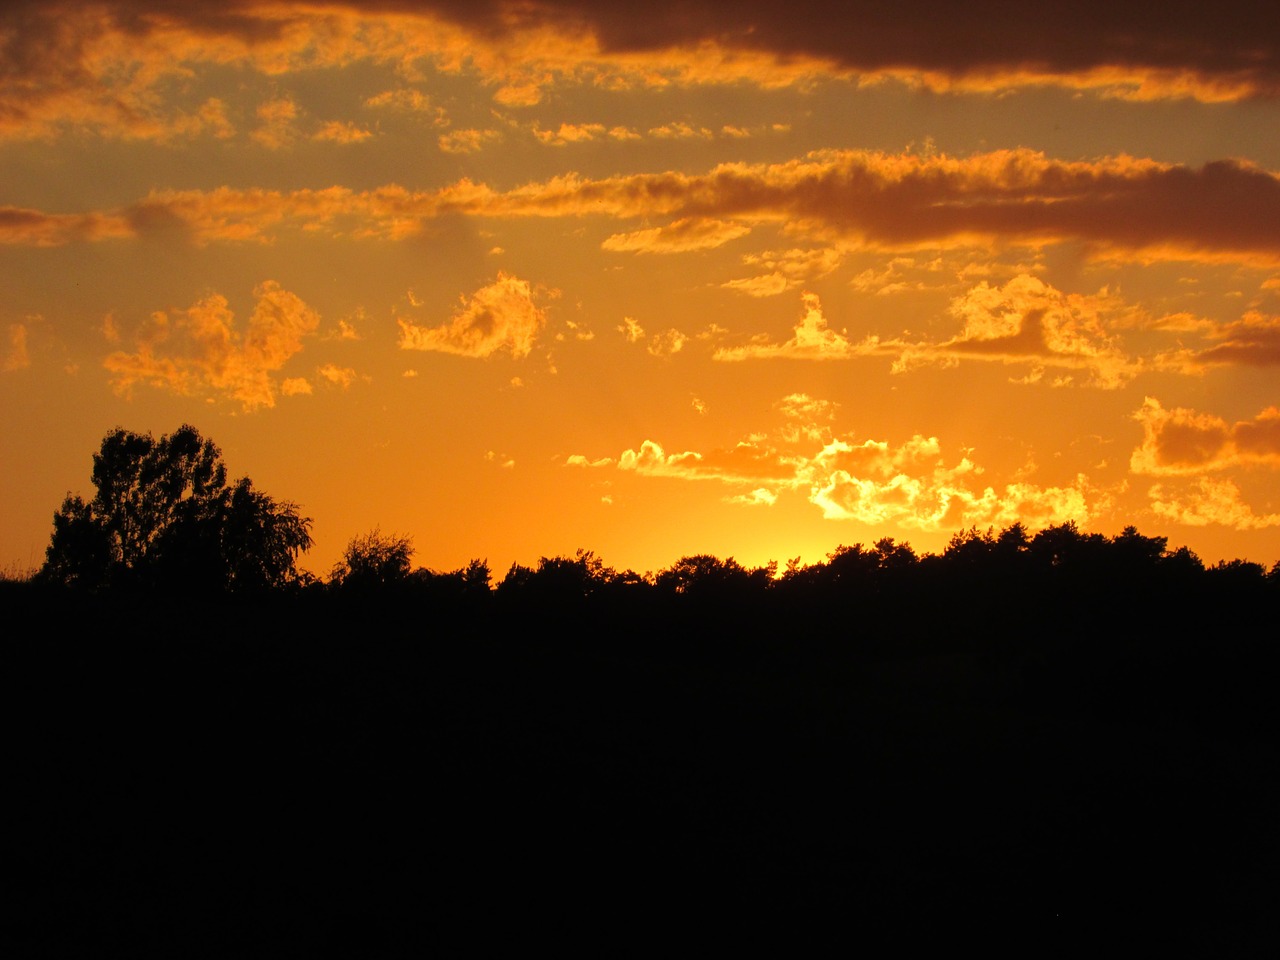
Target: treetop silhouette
164, 516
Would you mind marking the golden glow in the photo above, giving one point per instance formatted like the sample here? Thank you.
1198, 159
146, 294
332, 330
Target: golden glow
532, 277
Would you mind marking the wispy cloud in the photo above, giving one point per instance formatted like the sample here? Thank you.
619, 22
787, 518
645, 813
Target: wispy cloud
1121, 207
103, 66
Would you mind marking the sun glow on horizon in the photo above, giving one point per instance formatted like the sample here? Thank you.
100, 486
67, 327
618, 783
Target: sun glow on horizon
550, 276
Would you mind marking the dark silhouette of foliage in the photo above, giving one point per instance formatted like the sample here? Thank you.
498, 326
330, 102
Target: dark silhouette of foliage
1058, 726
373, 560
164, 516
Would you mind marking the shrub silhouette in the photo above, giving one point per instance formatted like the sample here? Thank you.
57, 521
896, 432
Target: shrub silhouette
164, 516
373, 560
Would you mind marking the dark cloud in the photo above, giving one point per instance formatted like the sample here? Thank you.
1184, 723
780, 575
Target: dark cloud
1232, 44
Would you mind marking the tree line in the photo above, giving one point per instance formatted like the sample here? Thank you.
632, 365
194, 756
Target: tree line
165, 516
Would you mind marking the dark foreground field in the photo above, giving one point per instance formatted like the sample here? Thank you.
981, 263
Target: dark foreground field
372, 777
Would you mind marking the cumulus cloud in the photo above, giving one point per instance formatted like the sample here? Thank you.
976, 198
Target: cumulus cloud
1024, 322
200, 349
341, 377
499, 316
1182, 441
276, 127
912, 484
342, 131
812, 340
667, 343
632, 330
1210, 501
1028, 321
468, 141
569, 133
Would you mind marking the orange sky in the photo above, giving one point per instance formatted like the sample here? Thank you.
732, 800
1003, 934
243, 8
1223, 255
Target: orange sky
519, 278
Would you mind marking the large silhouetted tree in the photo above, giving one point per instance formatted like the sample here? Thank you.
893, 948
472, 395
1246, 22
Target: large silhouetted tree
164, 516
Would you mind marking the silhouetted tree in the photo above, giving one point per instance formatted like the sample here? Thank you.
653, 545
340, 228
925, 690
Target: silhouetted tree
373, 560
163, 516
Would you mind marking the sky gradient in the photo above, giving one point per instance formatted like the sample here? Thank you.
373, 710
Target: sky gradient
518, 278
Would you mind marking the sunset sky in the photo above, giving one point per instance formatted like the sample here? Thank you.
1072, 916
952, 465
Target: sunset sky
651, 279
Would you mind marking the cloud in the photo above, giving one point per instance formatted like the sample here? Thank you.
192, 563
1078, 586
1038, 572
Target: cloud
468, 141
14, 355
408, 100
768, 285
1182, 441
200, 349
662, 344
276, 123
667, 343
812, 340
1025, 321
1251, 341
1119, 207
1028, 321
630, 329
32, 228
678, 237
341, 131
1209, 502
123, 68
850, 200
571, 133
680, 130
788, 268
911, 484
295, 387
499, 316
336, 375
758, 497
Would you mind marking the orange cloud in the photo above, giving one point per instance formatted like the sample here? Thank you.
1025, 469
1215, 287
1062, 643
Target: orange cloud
338, 376
468, 141
200, 348
109, 67
341, 131
14, 355
1028, 321
1251, 341
571, 133
33, 228
1210, 501
812, 340
500, 316
1182, 441
868, 481
1121, 206
1025, 321
678, 237
276, 123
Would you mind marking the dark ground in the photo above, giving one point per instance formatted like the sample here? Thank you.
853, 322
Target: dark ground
293, 778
